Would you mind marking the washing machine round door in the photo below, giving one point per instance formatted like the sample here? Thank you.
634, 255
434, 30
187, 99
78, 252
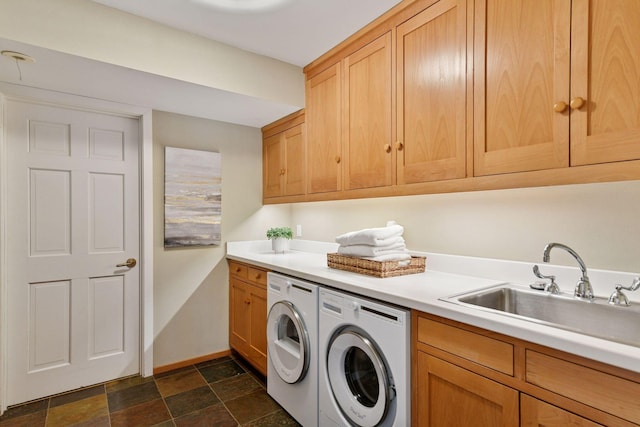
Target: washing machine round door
288, 342
359, 379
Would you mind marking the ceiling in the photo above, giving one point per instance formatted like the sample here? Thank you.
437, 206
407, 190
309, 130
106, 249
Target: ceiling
297, 32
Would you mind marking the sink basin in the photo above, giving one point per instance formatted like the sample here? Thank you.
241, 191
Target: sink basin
597, 318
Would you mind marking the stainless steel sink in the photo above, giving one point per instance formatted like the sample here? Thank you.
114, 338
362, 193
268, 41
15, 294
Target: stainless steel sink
597, 318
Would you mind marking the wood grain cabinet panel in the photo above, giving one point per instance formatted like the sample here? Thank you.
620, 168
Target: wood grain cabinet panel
431, 91
324, 130
522, 69
367, 116
452, 396
605, 68
477, 348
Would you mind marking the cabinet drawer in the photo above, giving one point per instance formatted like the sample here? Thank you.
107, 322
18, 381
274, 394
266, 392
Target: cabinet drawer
237, 269
257, 276
585, 385
486, 351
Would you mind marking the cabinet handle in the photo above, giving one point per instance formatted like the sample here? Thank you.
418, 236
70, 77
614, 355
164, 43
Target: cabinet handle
387, 148
247, 301
559, 106
338, 159
576, 103
399, 145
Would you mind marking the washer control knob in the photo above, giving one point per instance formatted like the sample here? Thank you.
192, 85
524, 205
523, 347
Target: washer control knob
354, 305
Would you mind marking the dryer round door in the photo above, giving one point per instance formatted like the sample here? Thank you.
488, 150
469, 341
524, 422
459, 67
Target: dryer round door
288, 342
358, 378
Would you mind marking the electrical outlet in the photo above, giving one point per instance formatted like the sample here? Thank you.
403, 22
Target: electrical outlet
298, 230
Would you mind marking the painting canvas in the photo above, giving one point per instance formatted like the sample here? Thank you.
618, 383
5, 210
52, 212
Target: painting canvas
192, 198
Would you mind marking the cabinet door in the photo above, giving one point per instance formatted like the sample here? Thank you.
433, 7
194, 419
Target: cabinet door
536, 413
295, 161
448, 395
273, 169
239, 316
431, 94
323, 112
258, 327
367, 116
605, 72
521, 71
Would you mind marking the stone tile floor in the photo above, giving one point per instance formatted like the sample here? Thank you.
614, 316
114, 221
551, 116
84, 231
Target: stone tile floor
220, 392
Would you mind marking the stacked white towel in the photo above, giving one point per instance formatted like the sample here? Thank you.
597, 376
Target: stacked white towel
377, 244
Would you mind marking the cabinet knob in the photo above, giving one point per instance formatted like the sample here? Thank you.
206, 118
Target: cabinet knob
238, 269
399, 145
576, 103
258, 276
247, 301
387, 148
338, 159
282, 171
559, 106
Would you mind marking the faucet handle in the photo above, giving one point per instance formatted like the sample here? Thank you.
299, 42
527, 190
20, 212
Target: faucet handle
551, 287
619, 298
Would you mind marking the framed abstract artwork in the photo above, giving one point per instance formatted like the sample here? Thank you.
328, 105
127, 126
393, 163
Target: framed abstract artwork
192, 198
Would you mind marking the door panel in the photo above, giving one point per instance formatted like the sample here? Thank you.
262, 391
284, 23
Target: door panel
106, 314
605, 71
49, 331
50, 212
521, 70
73, 215
431, 94
106, 206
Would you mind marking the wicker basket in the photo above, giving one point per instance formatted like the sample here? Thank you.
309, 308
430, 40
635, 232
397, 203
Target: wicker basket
376, 268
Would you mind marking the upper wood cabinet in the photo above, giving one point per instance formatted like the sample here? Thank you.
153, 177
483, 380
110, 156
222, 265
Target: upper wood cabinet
367, 116
440, 96
521, 63
284, 158
431, 94
605, 72
556, 84
324, 130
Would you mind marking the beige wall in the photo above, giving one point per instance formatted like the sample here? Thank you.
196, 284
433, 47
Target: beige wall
190, 285
600, 221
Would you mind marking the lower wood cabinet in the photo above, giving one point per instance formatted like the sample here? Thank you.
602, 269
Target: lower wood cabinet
248, 313
453, 396
463, 376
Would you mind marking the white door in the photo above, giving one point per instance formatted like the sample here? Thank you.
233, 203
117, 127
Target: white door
73, 215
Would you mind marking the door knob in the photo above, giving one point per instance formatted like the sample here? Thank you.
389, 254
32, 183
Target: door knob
577, 103
130, 263
559, 106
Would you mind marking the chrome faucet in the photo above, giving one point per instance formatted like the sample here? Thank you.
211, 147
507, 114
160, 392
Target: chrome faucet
583, 287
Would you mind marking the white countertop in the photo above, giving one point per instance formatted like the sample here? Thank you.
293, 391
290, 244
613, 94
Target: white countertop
307, 260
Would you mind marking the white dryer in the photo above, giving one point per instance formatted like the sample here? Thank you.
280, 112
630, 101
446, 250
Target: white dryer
292, 346
364, 377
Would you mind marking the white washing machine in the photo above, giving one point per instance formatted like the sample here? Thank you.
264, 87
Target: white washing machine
292, 346
364, 377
